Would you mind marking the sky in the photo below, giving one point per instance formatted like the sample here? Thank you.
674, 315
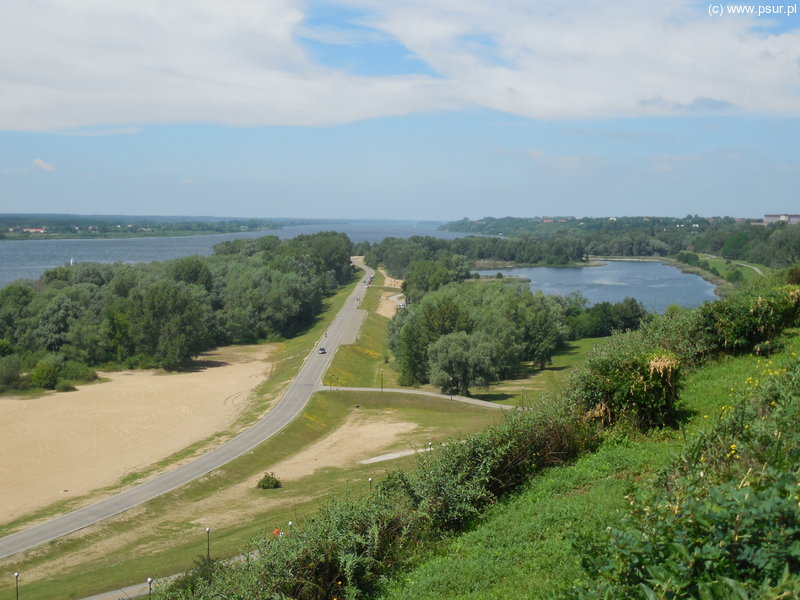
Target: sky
401, 109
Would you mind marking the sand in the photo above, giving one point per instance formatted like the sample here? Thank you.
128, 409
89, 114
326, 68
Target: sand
63, 445
389, 300
390, 281
362, 435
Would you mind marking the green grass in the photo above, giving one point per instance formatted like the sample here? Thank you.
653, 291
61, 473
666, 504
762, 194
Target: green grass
532, 382
523, 547
725, 266
174, 533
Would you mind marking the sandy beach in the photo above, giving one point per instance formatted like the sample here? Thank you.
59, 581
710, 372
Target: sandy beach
63, 445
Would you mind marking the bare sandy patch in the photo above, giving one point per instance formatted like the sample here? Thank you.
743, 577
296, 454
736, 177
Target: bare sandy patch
387, 304
361, 436
68, 444
391, 281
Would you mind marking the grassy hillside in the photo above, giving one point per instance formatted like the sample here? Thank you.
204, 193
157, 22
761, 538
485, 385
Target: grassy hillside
525, 545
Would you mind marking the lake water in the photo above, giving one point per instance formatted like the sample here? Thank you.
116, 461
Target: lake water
653, 284
28, 259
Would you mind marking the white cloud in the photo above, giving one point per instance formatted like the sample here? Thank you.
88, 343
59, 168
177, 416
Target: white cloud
38, 163
570, 165
668, 163
187, 181
68, 64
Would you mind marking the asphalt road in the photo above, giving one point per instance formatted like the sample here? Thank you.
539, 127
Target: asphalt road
288, 407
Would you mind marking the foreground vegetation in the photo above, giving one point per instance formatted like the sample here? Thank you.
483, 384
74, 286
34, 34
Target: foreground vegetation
626, 389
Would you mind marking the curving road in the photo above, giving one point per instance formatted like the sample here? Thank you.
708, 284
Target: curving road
291, 404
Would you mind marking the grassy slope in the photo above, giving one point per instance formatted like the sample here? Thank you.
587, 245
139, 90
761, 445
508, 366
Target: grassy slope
523, 546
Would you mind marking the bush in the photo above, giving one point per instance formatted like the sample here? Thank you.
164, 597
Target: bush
724, 521
46, 372
739, 323
77, 371
627, 378
268, 482
9, 372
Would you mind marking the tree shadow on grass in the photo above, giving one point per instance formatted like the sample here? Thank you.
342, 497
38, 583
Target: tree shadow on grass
492, 396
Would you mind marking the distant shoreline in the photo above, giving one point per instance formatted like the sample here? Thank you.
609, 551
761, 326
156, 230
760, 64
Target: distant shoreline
15, 237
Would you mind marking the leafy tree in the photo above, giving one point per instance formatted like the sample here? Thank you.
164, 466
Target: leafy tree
460, 360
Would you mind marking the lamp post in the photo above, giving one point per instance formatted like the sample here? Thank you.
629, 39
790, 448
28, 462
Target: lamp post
16, 583
149, 587
208, 543
370, 485
523, 394
381, 379
290, 527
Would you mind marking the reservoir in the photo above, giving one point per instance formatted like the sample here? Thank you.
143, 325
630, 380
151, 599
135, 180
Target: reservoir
654, 284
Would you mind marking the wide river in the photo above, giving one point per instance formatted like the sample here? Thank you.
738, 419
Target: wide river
653, 284
28, 259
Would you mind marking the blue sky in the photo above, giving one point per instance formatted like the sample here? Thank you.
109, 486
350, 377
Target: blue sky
434, 109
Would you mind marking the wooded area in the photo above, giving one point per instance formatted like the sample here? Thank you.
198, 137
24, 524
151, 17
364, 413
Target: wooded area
162, 314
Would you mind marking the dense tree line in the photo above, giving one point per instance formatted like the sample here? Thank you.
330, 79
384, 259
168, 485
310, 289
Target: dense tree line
775, 245
13, 225
163, 314
397, 254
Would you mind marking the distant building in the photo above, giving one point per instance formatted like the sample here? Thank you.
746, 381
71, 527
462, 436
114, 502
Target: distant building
785, 218
35, 230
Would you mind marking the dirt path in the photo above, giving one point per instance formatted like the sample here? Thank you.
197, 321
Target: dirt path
67, 444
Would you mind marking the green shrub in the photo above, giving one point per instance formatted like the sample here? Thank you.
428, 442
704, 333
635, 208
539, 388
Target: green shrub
627, 378
64, 385
724, 521
9, 372
46, 372
77, 371
268, 482
738, 323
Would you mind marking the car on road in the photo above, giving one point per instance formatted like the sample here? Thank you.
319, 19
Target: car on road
321, 351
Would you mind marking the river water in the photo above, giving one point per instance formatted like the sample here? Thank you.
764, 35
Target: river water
654, 284
28, 259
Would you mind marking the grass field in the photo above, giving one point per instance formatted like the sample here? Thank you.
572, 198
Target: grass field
532, 382
524, 546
